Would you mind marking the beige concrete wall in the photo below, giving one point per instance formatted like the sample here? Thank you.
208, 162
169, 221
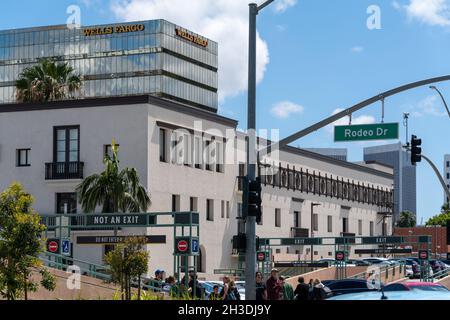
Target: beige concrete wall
90, 288
445, 282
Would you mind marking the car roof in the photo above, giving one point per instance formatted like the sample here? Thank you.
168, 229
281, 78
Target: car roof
395, 295
421, 284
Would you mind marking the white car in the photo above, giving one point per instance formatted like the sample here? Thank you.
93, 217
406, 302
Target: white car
378, 261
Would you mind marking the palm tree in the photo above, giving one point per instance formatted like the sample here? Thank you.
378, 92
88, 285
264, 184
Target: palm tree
47, 81
113, 189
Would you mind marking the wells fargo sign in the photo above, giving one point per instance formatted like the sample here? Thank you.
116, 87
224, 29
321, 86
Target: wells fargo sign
190, 37
88, 32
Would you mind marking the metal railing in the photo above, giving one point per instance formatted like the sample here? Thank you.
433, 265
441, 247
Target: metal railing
441, 274
384, 270
64, 170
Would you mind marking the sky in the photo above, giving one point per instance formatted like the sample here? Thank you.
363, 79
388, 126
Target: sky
314, 57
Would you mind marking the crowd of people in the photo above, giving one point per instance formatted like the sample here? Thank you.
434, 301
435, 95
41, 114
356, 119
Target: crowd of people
276, 288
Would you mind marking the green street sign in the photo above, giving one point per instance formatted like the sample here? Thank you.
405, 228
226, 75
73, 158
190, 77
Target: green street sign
363, 132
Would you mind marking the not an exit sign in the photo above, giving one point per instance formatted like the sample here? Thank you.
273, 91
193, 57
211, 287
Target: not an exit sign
364, 132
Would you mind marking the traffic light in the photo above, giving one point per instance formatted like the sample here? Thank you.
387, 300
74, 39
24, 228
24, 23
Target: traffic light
416, 150
254, 199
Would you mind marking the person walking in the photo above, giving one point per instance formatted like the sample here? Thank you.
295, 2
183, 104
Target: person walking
302, 290
224, 291
319, 292
310, 289
288, 291
215, 294
233, 292
274, 287
261, 289
174, 288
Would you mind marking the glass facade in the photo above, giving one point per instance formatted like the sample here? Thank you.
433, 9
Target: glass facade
121, 59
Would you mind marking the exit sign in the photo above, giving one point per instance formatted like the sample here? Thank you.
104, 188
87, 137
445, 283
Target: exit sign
363, 132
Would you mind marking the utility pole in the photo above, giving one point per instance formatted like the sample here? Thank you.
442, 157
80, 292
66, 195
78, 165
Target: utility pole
250, 223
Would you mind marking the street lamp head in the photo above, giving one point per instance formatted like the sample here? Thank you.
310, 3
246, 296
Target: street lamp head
433, 87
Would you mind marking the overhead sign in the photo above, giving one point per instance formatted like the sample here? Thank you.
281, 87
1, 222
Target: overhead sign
53, 245
228, 271
65, 247
92, 240
300, 241
298, 264
190, 37
121, 219
363, 132
88, 32
381, 240
382, 251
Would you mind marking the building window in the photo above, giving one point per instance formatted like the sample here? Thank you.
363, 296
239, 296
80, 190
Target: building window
193, 204
448, 175
198, 152
448, 164
371, 228
344, 225
209, 210
359, 227
66, 144
162, 145
107, 150
297, 219
208, 155
66, 203
278, 218
330, 223
175, 202
220, 157
228, 209
23, 157
315, 222
187, 150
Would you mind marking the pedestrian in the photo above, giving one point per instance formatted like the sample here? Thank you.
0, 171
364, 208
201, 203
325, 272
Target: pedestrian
302, 290
261, 289
288, 291
226, 287
174, 288
319, 292
310, 289
233, 292
274, 287
215, 294
194, 287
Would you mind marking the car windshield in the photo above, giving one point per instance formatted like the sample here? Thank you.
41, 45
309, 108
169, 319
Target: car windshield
429, 288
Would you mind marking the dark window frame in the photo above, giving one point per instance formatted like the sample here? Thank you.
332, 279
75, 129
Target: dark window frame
19, 158
105, 149
163, 135
67, 151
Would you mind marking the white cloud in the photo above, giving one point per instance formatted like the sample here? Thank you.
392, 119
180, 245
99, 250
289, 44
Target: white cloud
224, 21
432, 12
396, 5
357, 49
362, 119
284, 109
283, 5
431, 106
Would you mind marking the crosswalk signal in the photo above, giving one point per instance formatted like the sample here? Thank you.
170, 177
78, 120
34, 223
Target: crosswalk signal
255, 199
416, 150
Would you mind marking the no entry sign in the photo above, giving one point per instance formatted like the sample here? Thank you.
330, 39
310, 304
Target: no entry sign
182, 245
423, 254
340, 256
53, 245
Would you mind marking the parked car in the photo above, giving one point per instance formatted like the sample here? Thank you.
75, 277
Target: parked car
359, 263
436, 266
330, 261
412, 268
395, 295
378, 261
346, 286
408, 286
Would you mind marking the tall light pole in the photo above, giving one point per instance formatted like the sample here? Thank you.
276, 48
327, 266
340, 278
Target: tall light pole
313, 204
250, 223
442, 97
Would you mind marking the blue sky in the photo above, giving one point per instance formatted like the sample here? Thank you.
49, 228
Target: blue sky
315, 56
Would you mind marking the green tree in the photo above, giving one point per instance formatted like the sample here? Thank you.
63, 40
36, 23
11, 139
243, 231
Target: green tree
114, 190
440, 219
407, 220
126, 262
47, 81
20, 244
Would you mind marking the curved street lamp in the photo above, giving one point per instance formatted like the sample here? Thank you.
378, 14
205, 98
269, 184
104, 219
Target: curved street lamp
442, 97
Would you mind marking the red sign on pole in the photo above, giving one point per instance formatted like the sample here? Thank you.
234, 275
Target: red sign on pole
261, 256
182, 245
53, 246
423, 254
340, 256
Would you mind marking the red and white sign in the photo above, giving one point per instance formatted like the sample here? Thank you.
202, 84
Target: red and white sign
340, 256
182, 245
261, 256
53, 246
423, 255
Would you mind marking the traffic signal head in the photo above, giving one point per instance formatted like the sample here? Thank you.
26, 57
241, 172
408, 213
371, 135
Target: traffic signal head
254, 199
416, 150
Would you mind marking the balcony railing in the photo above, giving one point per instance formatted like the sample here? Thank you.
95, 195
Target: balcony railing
64, 170
299, 233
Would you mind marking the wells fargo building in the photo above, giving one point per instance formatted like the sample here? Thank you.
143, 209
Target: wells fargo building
155, 57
